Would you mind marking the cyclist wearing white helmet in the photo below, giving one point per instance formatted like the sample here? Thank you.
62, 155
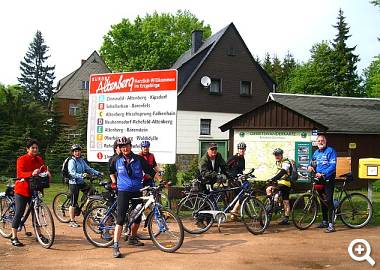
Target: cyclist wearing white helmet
235, 166
128, 173
149, 157
236, 163
282, 178
78, 169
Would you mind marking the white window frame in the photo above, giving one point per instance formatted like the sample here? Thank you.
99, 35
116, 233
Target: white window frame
73, 109
202, 127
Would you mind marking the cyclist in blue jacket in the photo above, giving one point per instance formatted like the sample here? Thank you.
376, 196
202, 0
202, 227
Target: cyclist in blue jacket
324, 165
78, 170
128, 173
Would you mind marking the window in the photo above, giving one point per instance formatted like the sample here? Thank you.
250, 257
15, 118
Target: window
85, 85
216, 87
231, 51
73, 109
205, 126
245, 89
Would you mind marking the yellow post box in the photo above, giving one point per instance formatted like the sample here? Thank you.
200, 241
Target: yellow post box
369, 168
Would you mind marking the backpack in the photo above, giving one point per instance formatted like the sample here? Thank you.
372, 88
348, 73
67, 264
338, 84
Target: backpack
293, 173
65, 170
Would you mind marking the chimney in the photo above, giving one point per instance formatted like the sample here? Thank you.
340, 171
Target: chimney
82, 62
196, 40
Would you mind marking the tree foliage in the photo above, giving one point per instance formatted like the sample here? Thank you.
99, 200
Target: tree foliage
150, 43
36, 76
280, 71
314, 76
21, 118
331, 69
344, 62
372, 78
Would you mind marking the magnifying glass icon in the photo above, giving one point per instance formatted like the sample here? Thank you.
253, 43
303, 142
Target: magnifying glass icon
359, 249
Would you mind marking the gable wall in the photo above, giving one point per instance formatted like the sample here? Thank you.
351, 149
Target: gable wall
232, 70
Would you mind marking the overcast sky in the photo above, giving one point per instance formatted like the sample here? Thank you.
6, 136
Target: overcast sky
74, 29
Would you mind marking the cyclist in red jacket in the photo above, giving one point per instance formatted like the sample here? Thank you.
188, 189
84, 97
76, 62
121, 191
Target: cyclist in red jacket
149, 157
28, 165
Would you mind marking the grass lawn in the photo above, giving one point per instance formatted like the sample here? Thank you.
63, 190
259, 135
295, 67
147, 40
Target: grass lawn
49, 193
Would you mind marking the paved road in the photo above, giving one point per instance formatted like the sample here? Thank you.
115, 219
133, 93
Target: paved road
234, 248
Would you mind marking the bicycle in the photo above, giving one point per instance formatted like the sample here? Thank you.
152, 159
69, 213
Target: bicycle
42, 219
198, 211
354, 209
164, 227
90, 197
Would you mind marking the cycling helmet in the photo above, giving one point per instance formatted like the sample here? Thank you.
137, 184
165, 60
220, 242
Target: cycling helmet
76, 147
123, 141
278, 151
241, 145
145, 144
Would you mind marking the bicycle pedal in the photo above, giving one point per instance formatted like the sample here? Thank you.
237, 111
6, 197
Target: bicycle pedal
28, 234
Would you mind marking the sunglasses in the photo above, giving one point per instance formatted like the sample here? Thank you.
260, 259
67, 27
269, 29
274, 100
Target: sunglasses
214, 148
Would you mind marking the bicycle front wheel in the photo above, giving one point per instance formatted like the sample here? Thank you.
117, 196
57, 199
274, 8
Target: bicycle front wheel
254, 215
355, 210
43, 224
61, 204
193, 221
166, 230
99, 227
6, 217
304, 211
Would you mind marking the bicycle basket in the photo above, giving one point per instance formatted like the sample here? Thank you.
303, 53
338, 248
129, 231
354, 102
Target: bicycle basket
39, 183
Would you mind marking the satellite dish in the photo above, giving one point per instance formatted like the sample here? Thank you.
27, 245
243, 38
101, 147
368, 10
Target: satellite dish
205, 81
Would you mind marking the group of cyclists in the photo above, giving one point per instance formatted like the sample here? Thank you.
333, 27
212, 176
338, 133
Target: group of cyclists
130, 172
323, 165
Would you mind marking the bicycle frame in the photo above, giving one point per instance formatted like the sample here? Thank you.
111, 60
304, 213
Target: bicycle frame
33, 203
149, 201
243, 189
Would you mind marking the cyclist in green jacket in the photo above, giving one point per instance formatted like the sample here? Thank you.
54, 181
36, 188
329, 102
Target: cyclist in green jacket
211, 165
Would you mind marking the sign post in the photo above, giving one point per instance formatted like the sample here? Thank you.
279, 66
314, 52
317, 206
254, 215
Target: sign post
139, 105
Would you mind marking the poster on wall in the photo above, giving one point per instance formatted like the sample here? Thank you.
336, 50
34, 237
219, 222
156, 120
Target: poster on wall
303, 158
139, 105
260, 146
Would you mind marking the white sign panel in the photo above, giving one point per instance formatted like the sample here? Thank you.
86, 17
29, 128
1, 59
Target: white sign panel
139, 105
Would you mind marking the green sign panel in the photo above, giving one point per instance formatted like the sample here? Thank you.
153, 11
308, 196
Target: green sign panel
302, 158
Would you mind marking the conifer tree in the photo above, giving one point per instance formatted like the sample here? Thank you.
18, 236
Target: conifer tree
345, 62
36, 76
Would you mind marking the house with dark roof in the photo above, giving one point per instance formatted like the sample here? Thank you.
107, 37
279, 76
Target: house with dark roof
291, 121
74, 87
218, 80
